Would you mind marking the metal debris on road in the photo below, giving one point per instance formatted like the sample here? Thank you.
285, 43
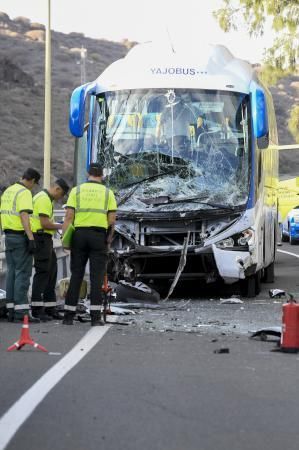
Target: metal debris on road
230, 300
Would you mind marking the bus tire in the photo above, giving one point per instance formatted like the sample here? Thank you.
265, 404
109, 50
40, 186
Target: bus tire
293, 241
127, 293
269, 275
284, 237
258, 282
248, 287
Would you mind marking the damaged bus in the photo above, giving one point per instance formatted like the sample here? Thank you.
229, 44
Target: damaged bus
188, 143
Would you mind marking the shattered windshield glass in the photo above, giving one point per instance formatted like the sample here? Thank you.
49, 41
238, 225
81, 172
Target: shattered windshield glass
173, 145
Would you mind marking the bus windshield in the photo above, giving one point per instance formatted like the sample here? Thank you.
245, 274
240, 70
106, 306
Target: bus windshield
174, 144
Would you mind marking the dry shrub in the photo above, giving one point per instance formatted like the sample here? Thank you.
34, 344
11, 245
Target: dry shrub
36, 35
37, 26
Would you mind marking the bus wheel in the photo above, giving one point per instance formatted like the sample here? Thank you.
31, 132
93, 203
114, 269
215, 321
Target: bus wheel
284, 237
269, 273
248, 287
293, 241
258, 282
131, 292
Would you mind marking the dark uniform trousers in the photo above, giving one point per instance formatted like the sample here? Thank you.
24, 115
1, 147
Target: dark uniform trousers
19, 268
44, 280
87, 244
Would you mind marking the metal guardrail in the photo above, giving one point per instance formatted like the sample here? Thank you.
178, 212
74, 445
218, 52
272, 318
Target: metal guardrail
63, 256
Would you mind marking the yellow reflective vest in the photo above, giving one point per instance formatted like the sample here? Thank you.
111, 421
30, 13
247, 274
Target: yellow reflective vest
42, 206
14, 200
91, 201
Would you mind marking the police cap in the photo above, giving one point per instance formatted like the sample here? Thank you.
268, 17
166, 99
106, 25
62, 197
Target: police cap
95, 169
31, 174
62, 184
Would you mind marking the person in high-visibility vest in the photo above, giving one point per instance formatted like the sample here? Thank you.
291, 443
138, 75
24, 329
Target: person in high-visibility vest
91, 208
43, 297
16, 206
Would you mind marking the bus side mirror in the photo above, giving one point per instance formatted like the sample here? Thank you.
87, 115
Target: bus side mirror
77, 108
259, 114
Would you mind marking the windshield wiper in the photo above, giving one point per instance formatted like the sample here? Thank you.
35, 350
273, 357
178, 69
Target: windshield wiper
152, 177
200, 199
136, 184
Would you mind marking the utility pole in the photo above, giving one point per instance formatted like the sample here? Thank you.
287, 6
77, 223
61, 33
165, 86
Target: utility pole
47, 119
83, 54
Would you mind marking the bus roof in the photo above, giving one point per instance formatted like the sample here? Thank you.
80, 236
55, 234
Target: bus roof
155, 66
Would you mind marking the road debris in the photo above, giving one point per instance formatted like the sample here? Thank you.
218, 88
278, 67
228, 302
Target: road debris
181, 266
263, 333
230, 300
274, 293
222, 350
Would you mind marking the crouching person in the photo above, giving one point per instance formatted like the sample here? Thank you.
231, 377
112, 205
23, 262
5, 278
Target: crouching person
43, 298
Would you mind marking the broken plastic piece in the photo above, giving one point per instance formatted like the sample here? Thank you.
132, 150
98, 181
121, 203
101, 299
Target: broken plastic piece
276, 293
222, 350
265, 332
230, 300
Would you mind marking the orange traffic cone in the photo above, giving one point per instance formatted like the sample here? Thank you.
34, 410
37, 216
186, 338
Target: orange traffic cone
25, 339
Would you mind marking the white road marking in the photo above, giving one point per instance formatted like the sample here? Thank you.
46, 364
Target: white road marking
14, 418
288, 253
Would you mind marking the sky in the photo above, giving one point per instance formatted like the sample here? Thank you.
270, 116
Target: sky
187, 23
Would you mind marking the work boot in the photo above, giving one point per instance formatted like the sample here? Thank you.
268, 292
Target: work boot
39, 313
96, 319
31, 319
68, 318
10, 315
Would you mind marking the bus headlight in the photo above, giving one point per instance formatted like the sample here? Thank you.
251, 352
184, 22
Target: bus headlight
241, 241
226, 243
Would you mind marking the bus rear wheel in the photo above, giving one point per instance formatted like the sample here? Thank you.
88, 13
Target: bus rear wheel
251, 286
293, 241
269, 274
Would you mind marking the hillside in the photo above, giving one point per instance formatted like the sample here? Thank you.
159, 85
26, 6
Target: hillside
22, 93
22, 53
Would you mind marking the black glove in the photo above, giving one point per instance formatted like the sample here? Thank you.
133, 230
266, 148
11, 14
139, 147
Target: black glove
31, 247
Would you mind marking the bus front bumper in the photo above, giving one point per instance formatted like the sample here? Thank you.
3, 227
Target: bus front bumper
233, 265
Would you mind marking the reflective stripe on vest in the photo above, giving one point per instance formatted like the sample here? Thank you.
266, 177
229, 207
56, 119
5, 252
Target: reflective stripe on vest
13, 211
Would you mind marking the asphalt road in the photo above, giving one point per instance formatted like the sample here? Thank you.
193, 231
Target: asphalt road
157, 384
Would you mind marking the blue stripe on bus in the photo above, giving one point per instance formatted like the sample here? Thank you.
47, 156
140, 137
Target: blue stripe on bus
251, 199
89, 133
